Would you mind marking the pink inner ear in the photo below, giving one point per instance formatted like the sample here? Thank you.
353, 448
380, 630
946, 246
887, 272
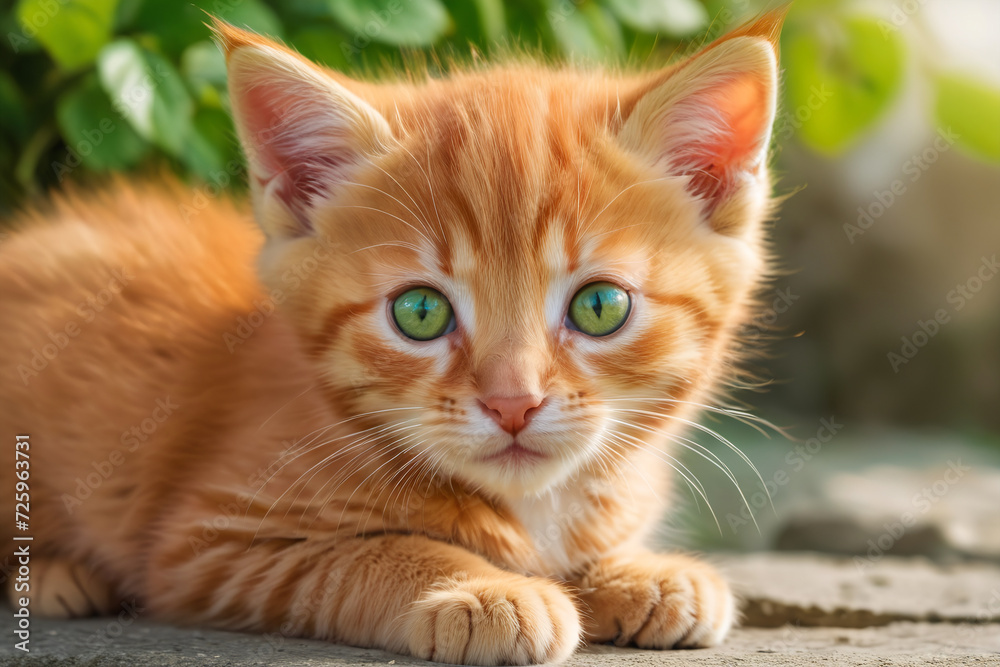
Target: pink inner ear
741, 108
293, 146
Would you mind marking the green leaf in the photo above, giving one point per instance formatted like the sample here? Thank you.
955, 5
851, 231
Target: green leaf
325, 46
12, 107
179, 23
971, 109
839, 79
606, 28
212, 148
95, 132
480, 21
396, 22
203, 66
125, 14
72, 31
676, 18
527, 25
149, 92
312, 9
15, 37
584, 31
252, 14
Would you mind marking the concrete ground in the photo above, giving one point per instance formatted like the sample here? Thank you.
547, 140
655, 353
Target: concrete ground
799, 610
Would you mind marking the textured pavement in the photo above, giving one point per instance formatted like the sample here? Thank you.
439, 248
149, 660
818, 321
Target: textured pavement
800, 610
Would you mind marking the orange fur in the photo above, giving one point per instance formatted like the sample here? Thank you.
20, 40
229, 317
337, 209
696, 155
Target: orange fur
279, 458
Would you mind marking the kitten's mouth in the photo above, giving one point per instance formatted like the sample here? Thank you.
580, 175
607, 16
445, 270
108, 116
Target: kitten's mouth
515, 454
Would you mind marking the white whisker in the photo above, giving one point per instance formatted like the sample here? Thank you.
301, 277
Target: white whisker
678, 467
720, 438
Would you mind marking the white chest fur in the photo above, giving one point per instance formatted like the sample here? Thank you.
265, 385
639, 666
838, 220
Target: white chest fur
551, 520
572, 525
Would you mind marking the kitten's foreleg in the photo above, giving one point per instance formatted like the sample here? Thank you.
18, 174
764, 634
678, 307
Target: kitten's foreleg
404, 593
656, 601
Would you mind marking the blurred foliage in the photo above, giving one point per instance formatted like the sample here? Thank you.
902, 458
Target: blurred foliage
125, 84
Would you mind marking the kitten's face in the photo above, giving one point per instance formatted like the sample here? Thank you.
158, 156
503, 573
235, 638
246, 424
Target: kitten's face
511, 286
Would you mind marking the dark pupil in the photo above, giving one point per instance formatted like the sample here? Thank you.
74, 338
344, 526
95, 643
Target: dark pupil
422, 309
597, 305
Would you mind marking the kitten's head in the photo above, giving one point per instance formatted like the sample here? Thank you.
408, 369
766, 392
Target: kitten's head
516, 272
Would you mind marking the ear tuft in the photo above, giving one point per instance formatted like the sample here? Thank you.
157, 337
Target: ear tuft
709, 119
767, 26
303, 132
229, 37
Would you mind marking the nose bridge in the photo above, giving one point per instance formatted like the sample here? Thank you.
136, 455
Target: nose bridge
511, 350
512, 367
516, 371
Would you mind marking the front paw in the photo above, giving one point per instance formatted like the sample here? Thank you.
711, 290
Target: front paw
494, 621
65, 589
657, 601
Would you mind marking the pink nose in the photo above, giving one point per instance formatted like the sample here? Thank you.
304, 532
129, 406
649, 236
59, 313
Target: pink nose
511, 413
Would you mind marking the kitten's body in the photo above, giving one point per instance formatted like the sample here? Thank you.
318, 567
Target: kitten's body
278, 459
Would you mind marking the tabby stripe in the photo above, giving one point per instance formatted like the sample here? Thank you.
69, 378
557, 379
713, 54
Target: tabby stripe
692, 305
336, 320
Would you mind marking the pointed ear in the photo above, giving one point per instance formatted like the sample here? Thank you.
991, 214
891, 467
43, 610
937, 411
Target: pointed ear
709, 119
303, 132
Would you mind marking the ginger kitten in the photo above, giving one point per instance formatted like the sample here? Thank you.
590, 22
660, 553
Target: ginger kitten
434, 419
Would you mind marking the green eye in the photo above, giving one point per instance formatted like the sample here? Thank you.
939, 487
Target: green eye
599, 309
422, 313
